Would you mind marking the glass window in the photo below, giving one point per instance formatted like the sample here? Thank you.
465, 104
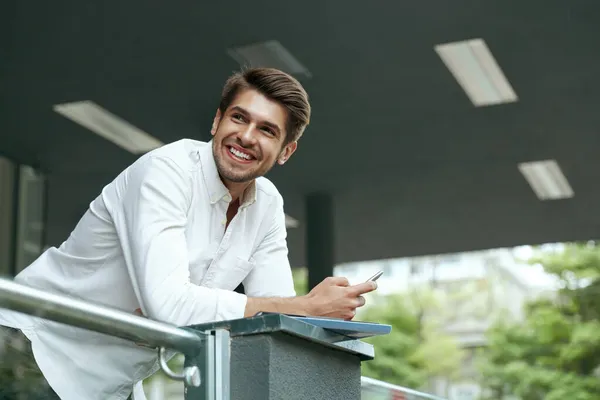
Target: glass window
30, 225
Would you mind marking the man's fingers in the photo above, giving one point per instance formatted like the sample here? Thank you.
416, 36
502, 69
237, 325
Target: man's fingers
360, 301
351, 314
362, 288
338, 281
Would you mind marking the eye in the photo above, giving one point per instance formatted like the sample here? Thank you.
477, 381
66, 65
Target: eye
238, 117
268, 131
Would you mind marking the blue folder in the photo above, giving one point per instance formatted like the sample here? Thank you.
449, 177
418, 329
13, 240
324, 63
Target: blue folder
352, 329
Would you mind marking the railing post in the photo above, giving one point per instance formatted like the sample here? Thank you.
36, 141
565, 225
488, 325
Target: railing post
214, 362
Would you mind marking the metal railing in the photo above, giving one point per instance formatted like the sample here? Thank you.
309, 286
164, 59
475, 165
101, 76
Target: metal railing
375, 389
97, 318
140, 330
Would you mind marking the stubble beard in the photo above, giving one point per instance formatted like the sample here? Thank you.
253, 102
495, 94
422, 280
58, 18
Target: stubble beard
229, 175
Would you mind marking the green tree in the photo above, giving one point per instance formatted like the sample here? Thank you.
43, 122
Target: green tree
416, 350
300, 276
555, 352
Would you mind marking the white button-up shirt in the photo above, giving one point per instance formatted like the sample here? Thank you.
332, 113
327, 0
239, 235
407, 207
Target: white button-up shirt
155, 239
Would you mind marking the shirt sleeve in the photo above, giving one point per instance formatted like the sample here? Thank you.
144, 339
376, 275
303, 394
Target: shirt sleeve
272, 275
150, 223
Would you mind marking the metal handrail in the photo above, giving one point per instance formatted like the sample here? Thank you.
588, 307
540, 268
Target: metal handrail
370, 382
66, 310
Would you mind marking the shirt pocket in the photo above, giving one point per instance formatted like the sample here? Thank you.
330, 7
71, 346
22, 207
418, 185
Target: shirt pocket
228, 274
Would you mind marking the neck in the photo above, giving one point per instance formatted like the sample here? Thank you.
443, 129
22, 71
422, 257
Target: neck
236, 189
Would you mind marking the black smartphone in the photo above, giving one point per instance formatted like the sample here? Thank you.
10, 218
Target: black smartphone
375, 277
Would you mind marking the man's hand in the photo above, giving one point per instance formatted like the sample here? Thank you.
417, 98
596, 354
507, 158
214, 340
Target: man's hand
335, 298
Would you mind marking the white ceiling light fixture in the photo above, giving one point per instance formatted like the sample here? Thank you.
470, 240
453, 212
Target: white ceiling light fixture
269, 54
111, 127
291, 222
477, 72
546, 179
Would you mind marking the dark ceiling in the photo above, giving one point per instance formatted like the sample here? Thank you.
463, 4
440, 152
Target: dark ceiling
413, 166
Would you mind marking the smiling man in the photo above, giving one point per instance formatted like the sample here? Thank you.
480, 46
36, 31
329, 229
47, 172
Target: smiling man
174, 234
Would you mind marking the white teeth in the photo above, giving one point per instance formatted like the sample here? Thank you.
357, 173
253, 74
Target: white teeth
239, 153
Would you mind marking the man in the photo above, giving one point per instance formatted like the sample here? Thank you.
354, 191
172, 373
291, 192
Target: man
174, 234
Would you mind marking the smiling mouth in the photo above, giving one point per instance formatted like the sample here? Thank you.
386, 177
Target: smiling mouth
239, 156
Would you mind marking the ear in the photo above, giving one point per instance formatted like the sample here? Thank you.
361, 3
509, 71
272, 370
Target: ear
216, 121
287, 152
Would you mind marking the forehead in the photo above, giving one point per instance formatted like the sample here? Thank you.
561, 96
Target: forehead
260, 107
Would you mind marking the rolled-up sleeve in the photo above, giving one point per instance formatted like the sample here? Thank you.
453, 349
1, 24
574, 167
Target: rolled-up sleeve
151, 223
271, 275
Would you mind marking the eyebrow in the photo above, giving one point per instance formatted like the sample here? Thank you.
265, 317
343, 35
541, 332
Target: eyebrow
247, 114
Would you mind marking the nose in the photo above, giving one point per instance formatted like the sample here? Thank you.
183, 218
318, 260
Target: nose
246, 136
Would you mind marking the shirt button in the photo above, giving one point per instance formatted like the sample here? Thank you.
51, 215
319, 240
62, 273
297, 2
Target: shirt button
228, 198
223, 222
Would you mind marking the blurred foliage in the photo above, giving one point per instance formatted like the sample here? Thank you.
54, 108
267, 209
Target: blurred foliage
300, 276
20, 377
555, 353
416, 350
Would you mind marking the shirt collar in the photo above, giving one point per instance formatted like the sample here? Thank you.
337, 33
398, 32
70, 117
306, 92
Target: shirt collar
217, 191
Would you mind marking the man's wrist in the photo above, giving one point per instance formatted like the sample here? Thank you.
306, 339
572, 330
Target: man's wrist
300, 305
304, 305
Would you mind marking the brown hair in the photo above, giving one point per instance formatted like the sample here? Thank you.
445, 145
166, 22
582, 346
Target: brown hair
277, 86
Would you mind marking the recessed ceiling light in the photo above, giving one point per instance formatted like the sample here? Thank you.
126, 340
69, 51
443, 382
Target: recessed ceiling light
546, 179
291, 222
477, 72
269, 54
109, 126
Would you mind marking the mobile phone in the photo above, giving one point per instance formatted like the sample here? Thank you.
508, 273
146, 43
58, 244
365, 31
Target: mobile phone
375, 277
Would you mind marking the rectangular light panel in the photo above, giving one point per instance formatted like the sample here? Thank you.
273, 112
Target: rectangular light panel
477, 72
546, 179
109, 126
